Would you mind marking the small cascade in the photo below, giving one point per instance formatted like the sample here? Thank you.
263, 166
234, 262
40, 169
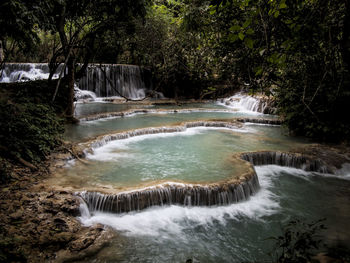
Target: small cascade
106, 80
244, 102
172, 193
260, 121
83, 95
103, 140
287, 159
19, 72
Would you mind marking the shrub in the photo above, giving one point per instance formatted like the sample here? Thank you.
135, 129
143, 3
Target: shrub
28, 130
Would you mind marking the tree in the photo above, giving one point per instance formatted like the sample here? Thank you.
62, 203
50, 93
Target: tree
297, 50
18, 21
79, 24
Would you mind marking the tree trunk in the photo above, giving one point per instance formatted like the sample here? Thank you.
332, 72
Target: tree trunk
70, 97
1, 52
346, 36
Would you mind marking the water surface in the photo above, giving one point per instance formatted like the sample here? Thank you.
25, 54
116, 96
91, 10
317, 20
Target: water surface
233, 233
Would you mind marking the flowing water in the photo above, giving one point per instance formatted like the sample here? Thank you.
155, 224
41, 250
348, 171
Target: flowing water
232, 233
236, 230
221, 233
202, 154
226, 233
89, 129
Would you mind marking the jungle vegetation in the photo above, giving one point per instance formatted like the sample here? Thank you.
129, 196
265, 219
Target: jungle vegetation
297, 51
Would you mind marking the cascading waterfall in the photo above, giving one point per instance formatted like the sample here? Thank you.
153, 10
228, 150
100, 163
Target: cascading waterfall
17, 72
106, 80
235, 189
172, 193
244, 102
294, 160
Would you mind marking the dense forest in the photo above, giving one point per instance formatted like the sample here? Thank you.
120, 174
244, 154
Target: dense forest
296, 51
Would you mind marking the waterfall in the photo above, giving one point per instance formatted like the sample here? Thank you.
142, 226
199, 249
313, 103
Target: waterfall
244, 102
287, 159
105, 80
172, 193
83, 95
18, 72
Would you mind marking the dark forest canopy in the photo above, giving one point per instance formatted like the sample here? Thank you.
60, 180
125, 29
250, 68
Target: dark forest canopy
296, 50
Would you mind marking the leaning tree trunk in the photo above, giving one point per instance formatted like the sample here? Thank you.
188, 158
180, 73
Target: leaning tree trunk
70, 95
1, 52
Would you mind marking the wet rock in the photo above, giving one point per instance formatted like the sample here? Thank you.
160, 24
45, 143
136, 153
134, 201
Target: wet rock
17, 215
63, 237
61, 224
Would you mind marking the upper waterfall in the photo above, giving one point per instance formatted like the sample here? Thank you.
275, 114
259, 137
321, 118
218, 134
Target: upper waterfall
105, 80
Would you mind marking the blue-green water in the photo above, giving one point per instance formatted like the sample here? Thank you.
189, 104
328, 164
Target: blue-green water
233, 233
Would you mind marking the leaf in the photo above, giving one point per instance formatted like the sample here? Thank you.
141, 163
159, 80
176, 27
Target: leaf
283, 5
249, 42
258, 71
241, 36
235, 28
232, 37
250, 31
246, 23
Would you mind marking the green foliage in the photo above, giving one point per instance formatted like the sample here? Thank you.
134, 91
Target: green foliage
17, 22
298, 242
296, 50
28, 130
301, 48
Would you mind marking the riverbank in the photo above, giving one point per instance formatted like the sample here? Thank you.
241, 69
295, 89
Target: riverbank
41, 225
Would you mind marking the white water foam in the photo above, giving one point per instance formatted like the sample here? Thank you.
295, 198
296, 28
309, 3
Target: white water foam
35, 72
242, 103
344, 172
275, 171
83, 95
167, 221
